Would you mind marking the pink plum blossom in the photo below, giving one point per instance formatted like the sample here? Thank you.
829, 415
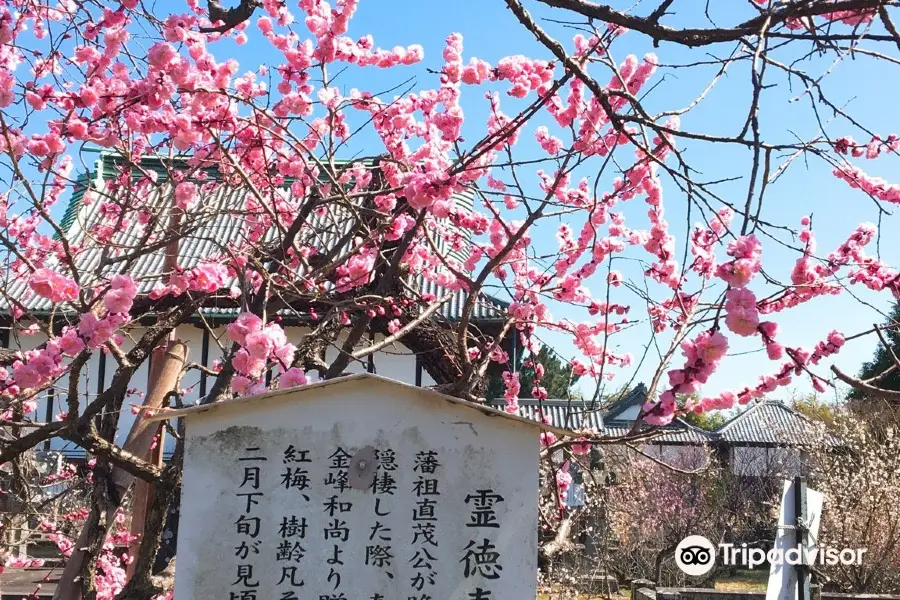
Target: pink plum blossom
53, 286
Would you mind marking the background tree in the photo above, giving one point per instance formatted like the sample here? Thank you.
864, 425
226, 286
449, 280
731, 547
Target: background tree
815, 409
861, 509
881, 370
652, 507
557, 378
706, 421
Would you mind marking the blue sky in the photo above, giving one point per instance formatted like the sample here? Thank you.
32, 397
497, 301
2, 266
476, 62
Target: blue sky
859, 84
865, 88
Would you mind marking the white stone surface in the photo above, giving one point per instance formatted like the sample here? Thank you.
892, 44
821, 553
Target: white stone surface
475, 452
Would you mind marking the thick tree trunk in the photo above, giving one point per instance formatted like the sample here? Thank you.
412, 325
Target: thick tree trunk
142, 585
560, 543
164, 373
434, 344
164, 376
658, 563
93, 535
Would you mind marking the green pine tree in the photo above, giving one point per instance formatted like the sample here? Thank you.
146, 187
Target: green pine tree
882, 360
558, 378
708, 421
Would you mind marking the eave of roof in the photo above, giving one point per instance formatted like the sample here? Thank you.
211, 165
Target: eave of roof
578, 414
571, 414
678, 432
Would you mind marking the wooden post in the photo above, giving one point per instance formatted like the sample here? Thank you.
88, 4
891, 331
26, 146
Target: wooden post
168, 368
165, 373
168, 365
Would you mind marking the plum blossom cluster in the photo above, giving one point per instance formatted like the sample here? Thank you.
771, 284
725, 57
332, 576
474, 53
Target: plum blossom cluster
512, 388
674, 311
563, 483
746, 252
705, 240
847, 17
812, 278
707, 349
259, 344
34, 369
741, 314
798, 363
590, 339
110, 576
703, 354
523, 73
206, 277
877, 187
847, 145
53, 286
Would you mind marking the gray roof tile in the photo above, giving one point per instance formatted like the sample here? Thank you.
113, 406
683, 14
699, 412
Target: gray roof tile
570, 414
578, 414
676, 432
218, 221
771, 423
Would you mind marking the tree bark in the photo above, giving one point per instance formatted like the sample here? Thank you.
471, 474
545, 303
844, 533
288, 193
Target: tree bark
165, 370
164, 376
142, 585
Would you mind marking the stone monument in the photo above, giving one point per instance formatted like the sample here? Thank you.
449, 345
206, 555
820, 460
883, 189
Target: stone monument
357, 488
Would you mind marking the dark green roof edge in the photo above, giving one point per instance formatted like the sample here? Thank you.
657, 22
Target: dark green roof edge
75, 202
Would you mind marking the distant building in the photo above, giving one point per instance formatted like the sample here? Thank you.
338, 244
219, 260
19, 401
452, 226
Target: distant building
767, 439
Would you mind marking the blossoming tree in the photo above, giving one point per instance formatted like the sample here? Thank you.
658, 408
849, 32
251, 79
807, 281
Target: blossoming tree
330, 201
860, 485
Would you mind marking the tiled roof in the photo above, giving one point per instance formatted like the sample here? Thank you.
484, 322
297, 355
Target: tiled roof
218, 220
577, 414
570, 414
771, 423
638, 395
677, 432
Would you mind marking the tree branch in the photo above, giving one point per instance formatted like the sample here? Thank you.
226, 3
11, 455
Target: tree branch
694, 37
229, 18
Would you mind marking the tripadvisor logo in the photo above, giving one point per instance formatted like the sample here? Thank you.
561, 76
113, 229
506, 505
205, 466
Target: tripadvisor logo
695, 555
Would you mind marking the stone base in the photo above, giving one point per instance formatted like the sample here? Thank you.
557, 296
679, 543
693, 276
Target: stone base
600, 584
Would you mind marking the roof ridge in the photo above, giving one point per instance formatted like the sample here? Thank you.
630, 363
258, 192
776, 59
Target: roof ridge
783, 425
626, 399
690, 426
794, 412
724, 426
